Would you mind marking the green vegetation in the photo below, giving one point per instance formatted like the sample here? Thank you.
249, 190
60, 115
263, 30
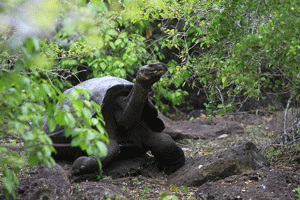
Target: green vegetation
227, 50
183, 189
298, 193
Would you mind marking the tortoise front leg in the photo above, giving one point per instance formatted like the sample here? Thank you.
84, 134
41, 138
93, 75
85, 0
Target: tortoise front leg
165, 150
89, 164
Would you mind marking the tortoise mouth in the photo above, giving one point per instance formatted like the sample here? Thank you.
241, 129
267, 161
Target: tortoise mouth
153, 70
149, 74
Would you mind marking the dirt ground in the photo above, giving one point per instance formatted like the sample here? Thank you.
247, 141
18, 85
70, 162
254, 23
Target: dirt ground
202, 136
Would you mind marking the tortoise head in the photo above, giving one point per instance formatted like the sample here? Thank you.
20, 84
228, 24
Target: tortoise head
149, 74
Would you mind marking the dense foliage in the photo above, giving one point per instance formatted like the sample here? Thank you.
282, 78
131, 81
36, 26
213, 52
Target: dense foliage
226, 50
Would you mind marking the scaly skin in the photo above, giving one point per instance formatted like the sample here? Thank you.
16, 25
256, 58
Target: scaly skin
134, 103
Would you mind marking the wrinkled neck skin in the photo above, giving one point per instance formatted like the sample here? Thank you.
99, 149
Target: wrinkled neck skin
132, 105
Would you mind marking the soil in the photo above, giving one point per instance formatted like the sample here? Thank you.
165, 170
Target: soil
198, 137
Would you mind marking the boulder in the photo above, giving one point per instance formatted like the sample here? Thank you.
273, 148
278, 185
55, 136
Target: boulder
45, 183
122, 168
237, 159
265, 183
97, 190
202, 128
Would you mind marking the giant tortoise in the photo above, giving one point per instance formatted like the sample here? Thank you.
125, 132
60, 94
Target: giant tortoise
131, 120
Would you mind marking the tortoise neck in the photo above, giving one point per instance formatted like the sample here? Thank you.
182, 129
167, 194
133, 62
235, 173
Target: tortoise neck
137, 94
133, 105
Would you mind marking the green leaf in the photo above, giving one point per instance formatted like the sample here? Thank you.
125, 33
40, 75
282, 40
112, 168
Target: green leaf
85, 92
73, 95
103, 65
145, 191
102, 148
13, 142
100, 128
51, 124
112, 45
90, 135
163, 194
47, 151
94, 121
47, 89
220, 106
184, 189
86, 113
9, 181
8, 184
171, 197
60, 118
118, 42
76, 141
88, 104
70, 120
77, 105
33, 160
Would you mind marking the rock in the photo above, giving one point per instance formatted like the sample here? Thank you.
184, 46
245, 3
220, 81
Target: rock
223, 136
237, 159
277, 123
201, 128
124, 167
45, 183
97, 190
171, 129
211, 129
265, 183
